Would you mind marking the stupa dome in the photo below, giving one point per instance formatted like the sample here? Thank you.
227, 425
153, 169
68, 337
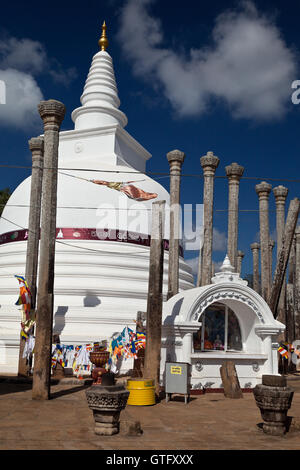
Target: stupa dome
103, 236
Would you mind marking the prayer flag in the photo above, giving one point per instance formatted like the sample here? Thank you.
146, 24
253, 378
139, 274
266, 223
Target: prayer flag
24, 297
128, 189
283, 352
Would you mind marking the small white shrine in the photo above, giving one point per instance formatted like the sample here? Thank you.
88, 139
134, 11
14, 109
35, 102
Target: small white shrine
226, 320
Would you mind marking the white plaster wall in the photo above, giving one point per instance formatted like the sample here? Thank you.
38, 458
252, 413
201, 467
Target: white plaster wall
258, 328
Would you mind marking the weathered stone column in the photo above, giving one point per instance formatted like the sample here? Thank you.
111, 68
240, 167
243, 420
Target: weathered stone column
292, 262
175, 159
290, 307
155, 295
234, 173
240, 256
36, 145
263, 190
271, 246
297, 285
52, 113
209, 163
255, 247
284, 253
280, 193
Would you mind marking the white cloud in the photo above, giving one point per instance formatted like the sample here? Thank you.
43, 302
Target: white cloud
219, 244
22, 97
193, 263
219, 240
217, 266
21, 62
22, 54
248, 66
65, 77
30, 56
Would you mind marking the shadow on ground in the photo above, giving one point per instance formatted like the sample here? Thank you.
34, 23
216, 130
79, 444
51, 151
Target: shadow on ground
68, 391
6, 388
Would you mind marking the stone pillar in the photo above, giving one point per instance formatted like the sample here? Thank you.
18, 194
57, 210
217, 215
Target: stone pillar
290, 307
255, 247
36, 145
271, 246
52, 113
240, 256
209, 163
155, 295
284, 253
234, 173
175, 159
280, 193
263, 190
297, 285
292, 262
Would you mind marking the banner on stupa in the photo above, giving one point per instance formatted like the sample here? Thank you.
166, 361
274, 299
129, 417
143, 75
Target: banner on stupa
131, 191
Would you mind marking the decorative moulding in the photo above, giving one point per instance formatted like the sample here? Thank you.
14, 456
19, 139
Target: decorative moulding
224, 294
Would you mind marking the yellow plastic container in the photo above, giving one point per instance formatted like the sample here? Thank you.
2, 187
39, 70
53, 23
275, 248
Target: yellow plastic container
142, 392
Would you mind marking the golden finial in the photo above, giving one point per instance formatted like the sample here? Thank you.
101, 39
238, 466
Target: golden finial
103, 41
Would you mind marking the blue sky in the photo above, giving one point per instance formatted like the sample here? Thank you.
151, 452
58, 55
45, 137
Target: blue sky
196, 76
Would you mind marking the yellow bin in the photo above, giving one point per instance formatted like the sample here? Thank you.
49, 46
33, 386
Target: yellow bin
142, 392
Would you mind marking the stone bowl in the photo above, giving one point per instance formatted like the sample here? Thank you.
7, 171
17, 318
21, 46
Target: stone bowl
99, 358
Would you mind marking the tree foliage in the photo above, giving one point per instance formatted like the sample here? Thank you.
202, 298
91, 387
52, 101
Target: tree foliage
4, 196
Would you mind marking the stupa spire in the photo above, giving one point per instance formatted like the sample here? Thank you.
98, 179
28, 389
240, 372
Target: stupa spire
99, 100
103, 41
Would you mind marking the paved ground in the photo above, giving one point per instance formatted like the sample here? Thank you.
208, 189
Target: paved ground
209, 421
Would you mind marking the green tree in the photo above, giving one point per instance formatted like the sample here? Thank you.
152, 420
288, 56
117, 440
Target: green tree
4, 196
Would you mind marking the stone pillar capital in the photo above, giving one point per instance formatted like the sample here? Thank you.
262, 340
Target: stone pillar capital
241, 254
209, 163
255, 246
280, 193
52, 113
234, 172
263, 190
36, 146
175, 156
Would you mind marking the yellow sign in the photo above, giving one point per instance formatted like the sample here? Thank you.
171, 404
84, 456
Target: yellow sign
176, 370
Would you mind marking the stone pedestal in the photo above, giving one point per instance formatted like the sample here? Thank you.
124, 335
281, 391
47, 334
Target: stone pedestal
107, 402
274, 399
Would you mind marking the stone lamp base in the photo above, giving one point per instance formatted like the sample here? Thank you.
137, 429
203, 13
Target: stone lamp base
107, 401
274, 399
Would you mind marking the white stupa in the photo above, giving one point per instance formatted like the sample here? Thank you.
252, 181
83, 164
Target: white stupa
100, 284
